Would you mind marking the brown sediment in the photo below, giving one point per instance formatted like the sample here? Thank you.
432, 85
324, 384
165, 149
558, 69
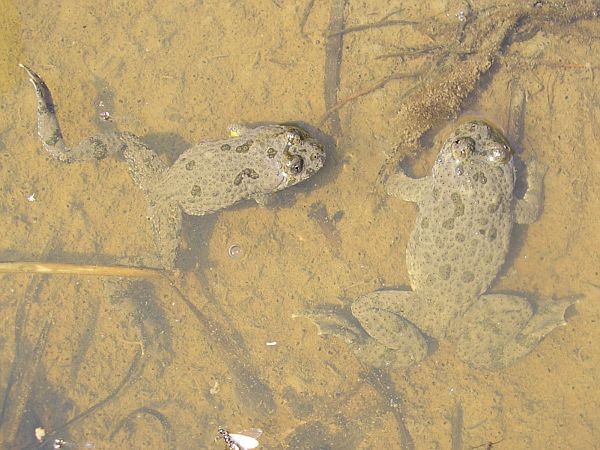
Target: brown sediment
135, 368
23, 387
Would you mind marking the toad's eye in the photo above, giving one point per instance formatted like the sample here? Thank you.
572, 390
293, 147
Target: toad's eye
295, 165
500, 154
462, 148
294, 137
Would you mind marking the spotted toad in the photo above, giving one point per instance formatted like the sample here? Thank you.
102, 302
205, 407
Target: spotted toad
209, 176
460, 241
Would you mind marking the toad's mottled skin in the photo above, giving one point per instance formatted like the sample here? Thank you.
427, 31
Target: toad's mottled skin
459, 243
212, 175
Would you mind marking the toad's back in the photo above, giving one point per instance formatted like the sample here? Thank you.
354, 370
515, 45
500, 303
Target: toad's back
216, 174
462, 232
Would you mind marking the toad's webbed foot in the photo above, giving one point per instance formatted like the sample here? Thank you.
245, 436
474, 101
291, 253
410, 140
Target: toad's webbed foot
378, 337
501, 328
340, 322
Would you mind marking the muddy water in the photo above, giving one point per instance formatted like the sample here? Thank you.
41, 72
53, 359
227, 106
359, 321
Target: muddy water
161, 362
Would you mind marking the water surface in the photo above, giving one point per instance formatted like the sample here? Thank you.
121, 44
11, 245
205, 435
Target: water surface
162, 362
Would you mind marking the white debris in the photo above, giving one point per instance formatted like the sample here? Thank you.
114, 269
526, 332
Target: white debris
40, 434
244, 440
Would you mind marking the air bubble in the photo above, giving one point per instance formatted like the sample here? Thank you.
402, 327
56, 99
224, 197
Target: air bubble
234, 251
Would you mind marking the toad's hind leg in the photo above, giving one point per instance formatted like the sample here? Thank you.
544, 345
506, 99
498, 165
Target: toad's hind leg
166, 226
144, 164
145, 167
500, 328
93, 148
384, 316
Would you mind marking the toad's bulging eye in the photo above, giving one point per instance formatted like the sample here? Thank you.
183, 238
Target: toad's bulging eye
294, 137
296, 134
295, 165
500, 154
462, 148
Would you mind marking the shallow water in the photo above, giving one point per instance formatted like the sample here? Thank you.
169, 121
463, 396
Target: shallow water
161, 362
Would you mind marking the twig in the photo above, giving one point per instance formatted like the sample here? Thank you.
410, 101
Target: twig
77, 269
381, 83
368, 26
305, 15
333, 61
